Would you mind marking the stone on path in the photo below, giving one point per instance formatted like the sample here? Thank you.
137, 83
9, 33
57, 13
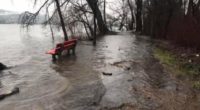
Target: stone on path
108, 74
6, 92
2, 66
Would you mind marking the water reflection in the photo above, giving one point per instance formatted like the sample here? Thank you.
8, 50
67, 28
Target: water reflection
72, 82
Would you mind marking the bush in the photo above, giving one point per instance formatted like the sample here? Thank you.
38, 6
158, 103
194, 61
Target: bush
184, 31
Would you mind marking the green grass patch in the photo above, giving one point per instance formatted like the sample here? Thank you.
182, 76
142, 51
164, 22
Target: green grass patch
165, 56
196, 85
168, 60
181, 67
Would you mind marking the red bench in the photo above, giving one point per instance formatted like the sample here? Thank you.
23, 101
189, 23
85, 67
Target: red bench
67, 45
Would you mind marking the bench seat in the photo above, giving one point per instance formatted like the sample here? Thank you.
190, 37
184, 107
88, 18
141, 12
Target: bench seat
52, 52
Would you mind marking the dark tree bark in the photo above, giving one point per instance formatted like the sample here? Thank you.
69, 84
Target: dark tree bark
104, 13
132, 15
122, 22
170, 13
190, 7
95, 28
88, 24
95, 9
61, 19
193, 8
139, 5
86, 30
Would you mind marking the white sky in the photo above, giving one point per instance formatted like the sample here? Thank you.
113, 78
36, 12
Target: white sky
18, 5
25, 5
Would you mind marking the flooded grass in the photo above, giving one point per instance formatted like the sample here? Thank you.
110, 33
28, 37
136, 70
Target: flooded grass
178, 65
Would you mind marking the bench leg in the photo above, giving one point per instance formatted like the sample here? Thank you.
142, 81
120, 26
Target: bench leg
68, 51
54, 57
59, 54
74, 51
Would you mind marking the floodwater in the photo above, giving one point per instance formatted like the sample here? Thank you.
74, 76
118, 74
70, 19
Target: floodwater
138, 81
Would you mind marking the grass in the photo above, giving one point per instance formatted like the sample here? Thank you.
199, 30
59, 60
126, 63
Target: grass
196, 85
168, 60
165, 56
182, 67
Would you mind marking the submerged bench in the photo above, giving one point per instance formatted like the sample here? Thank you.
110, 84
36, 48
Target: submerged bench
67, 45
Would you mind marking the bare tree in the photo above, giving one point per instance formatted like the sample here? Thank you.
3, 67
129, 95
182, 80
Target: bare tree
95, 9
139, 4
30, 18
61, 19
130, 4
104, 12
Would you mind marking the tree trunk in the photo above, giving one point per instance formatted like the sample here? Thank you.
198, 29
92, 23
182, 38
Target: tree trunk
121, 23
95, 28
152, 27
91, 30
105, 12
88, 24
139, 4
86, 30
61, 19
132, 15
170, 13
190, 7
95, 9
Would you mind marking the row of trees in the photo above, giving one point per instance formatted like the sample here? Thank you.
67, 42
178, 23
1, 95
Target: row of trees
156, 18
74, 15
71, 15
175, 20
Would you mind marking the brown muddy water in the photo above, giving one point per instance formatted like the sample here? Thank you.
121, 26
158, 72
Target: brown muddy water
138, 81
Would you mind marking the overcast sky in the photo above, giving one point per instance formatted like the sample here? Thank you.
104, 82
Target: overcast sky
18, 5
24, 5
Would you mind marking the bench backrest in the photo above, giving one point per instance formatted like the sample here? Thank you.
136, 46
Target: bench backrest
60, 46
70, 41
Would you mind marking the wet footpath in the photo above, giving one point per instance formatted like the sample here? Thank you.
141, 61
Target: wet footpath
119, 73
